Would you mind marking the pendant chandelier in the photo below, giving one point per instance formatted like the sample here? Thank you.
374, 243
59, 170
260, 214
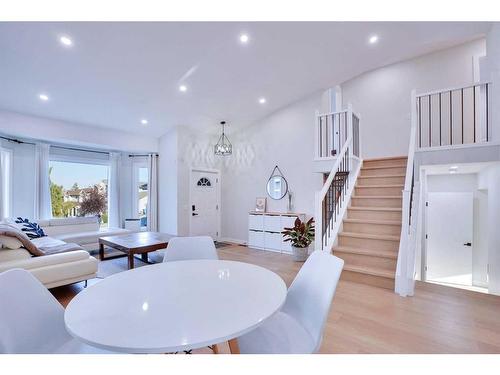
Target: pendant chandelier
223, 146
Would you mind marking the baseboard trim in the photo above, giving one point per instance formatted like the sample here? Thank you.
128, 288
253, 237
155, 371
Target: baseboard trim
232, 240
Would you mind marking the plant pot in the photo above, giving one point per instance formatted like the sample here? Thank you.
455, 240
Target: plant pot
300, 253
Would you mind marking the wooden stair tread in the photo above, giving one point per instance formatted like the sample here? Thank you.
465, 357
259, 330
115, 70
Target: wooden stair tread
381, 186
384, 237
383, 167
368, 252
388, 158
383, 176
367, 208
370, 271
378, 222
376, 197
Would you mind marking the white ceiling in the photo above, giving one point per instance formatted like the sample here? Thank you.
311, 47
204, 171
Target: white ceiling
115, 74
464, 168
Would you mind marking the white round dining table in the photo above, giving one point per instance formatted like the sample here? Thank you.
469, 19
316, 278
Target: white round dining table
175, 306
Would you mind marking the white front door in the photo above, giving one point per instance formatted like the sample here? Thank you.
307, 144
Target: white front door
204, 204
449, 238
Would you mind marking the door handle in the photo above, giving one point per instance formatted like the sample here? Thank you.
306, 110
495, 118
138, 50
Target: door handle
467, 244
194, 214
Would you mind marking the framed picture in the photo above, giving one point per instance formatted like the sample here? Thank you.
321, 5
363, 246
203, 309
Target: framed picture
260, 205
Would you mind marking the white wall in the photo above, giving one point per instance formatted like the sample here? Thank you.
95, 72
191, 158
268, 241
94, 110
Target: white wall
36, 128
53, 131
469, 183
492, 73
180, 150
286, 139
382, 96
489, 180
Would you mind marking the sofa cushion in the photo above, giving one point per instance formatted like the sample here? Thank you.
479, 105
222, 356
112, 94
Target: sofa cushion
10, 230
73, 221
48, 260
10, 242
83, 238
7, 255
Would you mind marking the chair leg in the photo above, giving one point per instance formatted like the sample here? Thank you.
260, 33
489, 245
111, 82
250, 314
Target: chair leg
85, 284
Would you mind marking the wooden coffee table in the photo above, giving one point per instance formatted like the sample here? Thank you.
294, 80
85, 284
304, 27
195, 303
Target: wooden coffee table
134, 243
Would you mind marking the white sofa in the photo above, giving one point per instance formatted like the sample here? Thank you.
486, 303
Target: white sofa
84, 231
61, 268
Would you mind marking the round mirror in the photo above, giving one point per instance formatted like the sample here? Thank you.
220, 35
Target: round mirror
277, 187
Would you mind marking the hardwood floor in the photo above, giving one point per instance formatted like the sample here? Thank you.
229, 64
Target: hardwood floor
367, 319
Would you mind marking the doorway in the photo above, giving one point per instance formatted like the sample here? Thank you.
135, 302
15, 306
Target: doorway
449, 238
204, 201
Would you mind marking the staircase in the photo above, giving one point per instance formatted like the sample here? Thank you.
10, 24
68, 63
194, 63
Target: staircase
369, 240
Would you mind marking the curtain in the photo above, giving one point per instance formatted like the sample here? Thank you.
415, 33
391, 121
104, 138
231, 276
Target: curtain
152, 205
114, 218
43, 202
3, 175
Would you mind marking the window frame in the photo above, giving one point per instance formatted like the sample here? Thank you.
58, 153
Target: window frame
77, 159
10, 198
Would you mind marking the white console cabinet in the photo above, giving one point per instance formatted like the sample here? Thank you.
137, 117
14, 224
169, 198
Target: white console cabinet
264, 230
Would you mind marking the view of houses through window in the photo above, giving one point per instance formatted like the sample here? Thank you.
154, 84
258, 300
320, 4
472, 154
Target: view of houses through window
79, 189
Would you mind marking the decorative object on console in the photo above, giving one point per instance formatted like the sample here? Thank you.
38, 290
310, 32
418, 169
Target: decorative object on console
301, 236
260, 205
277, 186
223, 147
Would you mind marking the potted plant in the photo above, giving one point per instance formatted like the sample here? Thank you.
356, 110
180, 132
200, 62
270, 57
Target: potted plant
301, 236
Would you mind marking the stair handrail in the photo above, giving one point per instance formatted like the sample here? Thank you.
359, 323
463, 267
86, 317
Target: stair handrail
345, 152
405, 262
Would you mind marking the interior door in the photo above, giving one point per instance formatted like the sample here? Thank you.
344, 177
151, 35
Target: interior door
449, 238
204, 208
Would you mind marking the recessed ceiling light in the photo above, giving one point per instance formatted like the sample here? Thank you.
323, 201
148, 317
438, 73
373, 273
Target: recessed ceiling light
183, 88
43, 97
373, 39
244, 38
262, 100
144, 121
66, 41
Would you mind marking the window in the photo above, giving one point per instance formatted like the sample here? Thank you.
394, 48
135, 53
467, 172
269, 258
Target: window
6, 181
204, 182
79, 188
140, 191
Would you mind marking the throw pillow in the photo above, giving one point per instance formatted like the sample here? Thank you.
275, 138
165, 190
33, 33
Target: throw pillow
10, 242
32, 230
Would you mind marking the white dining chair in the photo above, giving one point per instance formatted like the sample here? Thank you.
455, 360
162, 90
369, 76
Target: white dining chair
298, 327
32, 320
190, 248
